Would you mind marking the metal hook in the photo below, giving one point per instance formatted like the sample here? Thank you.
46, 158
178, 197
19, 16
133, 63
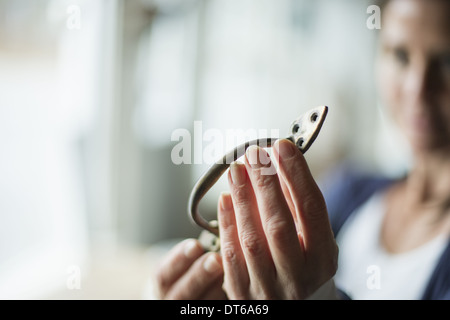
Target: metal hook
302, 133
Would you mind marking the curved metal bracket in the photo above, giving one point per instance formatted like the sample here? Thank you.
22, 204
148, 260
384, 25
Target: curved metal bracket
302, 133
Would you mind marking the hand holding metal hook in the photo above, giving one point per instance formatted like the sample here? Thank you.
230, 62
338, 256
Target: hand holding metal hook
302, 133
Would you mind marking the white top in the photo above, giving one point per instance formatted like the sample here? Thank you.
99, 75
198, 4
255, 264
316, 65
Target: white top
367, 271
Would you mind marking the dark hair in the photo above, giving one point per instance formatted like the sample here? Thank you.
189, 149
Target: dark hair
382, 3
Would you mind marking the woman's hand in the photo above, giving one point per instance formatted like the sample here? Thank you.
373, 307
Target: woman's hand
188, 272
276, 239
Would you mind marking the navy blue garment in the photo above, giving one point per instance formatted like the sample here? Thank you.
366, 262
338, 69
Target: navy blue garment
347, 190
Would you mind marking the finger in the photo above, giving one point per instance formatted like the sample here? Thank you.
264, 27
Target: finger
287, 196
236, 280
307, 198
176, 263
251, 233
276, 217
205, 274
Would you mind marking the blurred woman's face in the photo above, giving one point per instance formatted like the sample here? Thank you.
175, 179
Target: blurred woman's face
414, 70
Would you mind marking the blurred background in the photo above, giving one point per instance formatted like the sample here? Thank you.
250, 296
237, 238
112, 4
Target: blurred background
92, 90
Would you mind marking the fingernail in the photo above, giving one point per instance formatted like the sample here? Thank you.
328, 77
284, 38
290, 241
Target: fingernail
285, 148
257, 157
211, 264
189, 248
226, 202
238, 175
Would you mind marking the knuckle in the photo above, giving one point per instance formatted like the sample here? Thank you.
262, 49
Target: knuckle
261, 180
227, 230
309, 196
240, 196
314, 207
277, 230
229, 254
252, 244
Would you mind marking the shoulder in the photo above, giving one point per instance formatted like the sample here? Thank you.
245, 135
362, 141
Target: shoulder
347, 188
